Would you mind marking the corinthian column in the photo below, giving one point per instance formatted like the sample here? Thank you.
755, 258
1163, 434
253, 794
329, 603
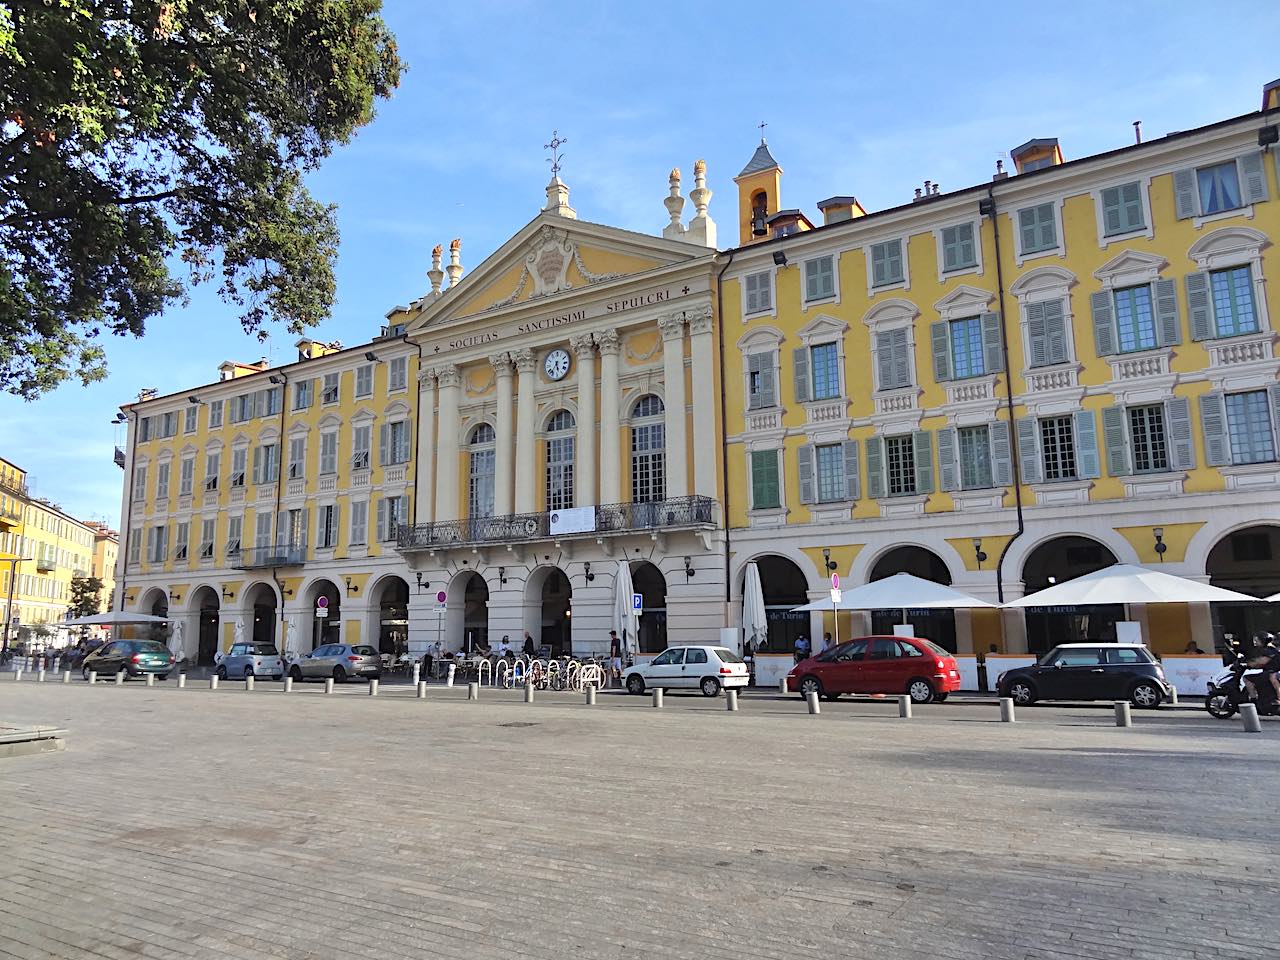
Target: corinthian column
610, 455
502, 491
527, 487
585, 475
704, 411
425, 476
672, 327
447, 506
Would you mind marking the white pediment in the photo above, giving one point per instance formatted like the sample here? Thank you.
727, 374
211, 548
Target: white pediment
1043, 280
189, 450
361, 416
895, 310
331, 420
1130, 267
1227, 245
757, 337
823, 327
299, 429
240, 440
964, 300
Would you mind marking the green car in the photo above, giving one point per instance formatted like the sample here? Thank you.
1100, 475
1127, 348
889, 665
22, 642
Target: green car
133, 658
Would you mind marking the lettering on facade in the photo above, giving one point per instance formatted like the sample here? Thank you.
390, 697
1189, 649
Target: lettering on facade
474, 341
546, 323
644, 300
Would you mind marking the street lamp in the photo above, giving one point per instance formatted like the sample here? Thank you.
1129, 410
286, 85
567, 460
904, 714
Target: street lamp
13, 583
1161, 546
978, 553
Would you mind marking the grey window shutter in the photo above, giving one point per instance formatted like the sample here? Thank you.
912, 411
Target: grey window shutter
1177, 419
875, 467
1037, 335
1104, 324
940, 337
852, 488
1199, 306
1274, 392
966, 254
893, 262
752, 285
1253, 180
1001, 456
992, 348
800, 360
922, 453
382, 518
1213, 424
1027, 228
901, 357
765, 291
306, 518
884, 359
257, 464
1115, 436
950, 252
1028, 450
804, 462
878, 265
402, 450
1168, 323
768, 379
1111, 217
384, 444
1186, 202
1055, 331
947, 473
812, 289
1088, 464
1131, 206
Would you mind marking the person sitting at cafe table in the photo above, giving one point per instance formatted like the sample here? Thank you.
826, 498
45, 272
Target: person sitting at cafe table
1192, 648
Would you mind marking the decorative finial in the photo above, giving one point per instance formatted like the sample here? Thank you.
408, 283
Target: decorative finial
437, 252
435, 274
455, 245
699, 168
556, 156
454, 267
762, 126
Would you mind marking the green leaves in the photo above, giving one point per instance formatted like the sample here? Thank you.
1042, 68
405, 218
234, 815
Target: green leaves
147, 146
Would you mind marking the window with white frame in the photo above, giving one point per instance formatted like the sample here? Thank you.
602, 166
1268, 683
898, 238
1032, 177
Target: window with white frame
758, 292
215, 413
266, 463
966, 347
828, 472
364, 380
239, 457
144, 429
190, 419
1038, 228
1240, 428
297, 457
1122, 209
819, 279
1046, 333
327, 527
186, 476
212, 468
762, 380
182, 534
974, 448
304, 392
235, 531
648, 450
824, 371
900, 465
1129, 319
481, 490
135, 546
329, 452
393, 443
1057, 447
157, 544
359, 522
887, 263
975, 457
391, 513
893, 358
560, 460
1221, 303
1219, 187
262, 530
241, 407
140, 482
397, 374
766, 487
361, 438
1149, 437
329, 392
959, 251
208, 534
162, 481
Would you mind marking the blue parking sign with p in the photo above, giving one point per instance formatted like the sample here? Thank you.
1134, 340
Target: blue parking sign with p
637, 601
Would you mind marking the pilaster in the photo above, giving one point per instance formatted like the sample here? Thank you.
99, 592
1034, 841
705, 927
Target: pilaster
610, 426
447, 506
526, 489
677, 468
503, 492
585, 475
705, 421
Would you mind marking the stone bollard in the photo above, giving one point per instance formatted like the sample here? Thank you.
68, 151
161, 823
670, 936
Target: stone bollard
1124, 718
1249, 716
731, 701
811, 699
213, 682
904, 707
120, 675
448, 681
473, 690
93, 676
17, 673
1006, 710
528, 693
182, 681
328, 684
248, 683
782, 685
657, 697
373, 688
422, 689
417, 673
40, 675
66, 676
287, 687
591, 695
1173, 695
151, 679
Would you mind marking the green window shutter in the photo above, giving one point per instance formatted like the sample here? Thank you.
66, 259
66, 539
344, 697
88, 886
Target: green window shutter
947, 459
1037, 335
893, 261
382, 518
384, 444
800, 364
1088, 464
992, 347
884, 360
877, 265
1104, 324
764, 479
1112, 212
1115, 436
752, 284
1028, 450
901, 357
875, 467
1027, 229
966, 252
1001, 454
852, 486
950, 249
1186, 201
1168, 323
812, 289
1055, 330
257, 464
940, 338
922, 453
1177, 419
769, 380
1253, 179
1131, 216
1213, 424
1199, 306
1048, 227
804, 463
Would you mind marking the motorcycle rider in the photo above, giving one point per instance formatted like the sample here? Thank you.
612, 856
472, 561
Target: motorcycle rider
1266, 654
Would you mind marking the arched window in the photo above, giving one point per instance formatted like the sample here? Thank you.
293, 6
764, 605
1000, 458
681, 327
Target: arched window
482, 471
648, 451
560, 460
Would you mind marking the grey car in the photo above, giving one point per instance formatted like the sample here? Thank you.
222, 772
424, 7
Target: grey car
341, 661
252, 660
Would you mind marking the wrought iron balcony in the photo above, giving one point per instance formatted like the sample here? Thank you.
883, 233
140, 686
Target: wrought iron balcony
13, 487
10, 517
679, 513
280, 555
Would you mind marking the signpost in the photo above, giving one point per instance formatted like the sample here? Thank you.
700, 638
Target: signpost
441, 597
637, 601
835, 600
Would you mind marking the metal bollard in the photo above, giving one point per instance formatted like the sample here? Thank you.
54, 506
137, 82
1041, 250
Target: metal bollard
120, 675
66, 676
93, 676
182, 681
904, 707
40, 675
1006, 710
373, 688
213, 682
782, 685
1123, 716
17, 674
287, 686
328, 684
417, 673
1173, 695
657, 697
811, 699
453, 667
473, 690
1249, 715
248, 683
731, 701
528, 693
591, 695
422, 689
151, 679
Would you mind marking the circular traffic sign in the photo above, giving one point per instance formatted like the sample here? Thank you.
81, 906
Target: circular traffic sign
441, 596
835, 581
322, 602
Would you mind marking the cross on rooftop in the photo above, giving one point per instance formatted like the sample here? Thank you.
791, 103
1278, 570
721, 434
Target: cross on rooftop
556, 156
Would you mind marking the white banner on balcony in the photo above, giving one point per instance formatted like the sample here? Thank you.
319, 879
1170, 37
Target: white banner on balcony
573, 520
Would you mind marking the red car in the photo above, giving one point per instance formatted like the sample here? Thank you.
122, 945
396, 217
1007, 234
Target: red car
908, 665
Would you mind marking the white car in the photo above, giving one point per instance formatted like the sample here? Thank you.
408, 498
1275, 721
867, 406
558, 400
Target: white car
704, 668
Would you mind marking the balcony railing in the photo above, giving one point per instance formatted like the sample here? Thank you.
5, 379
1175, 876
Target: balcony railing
678, 513
13, 487
10, 516
281, 555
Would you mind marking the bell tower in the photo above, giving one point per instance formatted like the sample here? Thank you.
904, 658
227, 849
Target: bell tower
759, 193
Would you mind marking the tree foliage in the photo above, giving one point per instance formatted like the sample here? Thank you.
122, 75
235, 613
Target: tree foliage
86, 597
146, 146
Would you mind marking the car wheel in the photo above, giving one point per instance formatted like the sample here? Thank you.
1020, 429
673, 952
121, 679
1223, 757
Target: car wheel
635, 684
124, 671
1220, 706
810, 685
84, 673
920, 690
1146, 696
221, 672
339, 675
248, 672
831, 696
710, 687
296, 673
277, 677
163, 676
1022, 693
941, 697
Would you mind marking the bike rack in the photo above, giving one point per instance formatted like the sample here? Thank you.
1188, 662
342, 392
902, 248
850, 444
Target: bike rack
483, 667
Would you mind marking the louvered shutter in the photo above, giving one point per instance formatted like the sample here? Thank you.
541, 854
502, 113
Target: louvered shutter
800, 366
1001, 455
852, 486
1104, 324
1088, 463
1177, 418
1168, 323
402, 444
922, 453
1274, 392
257, 464
940, 339
1253, 180
1115, 437
804, 464
884, 360
1111, 211
768, 379
1131, 207
1037, 335
752, 282
1213, 424
901, 352
950, 248
992, 346
1028, 449
1199, 306
382, 519
384, 445
1186, 202
966, 254
893, 261
875, 467
1055, 330
947, 470
1027, 229
878, 257
811, 283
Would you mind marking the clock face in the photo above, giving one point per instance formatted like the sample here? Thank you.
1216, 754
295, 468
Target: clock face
557, 364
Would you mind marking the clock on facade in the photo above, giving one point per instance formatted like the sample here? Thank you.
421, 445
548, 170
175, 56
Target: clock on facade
557, 364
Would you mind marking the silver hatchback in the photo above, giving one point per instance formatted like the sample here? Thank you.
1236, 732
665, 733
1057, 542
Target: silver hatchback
342, 661
252, 660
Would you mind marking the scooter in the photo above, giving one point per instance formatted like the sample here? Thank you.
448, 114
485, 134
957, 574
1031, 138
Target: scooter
1227, 691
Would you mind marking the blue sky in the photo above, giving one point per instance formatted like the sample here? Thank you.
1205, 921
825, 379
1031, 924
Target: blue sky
867, 98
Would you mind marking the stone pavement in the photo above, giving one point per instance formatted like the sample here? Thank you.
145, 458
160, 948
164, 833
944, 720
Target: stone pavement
191, 824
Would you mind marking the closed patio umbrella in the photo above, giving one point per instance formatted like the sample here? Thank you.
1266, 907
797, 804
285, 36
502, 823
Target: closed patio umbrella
755, 627
626, 619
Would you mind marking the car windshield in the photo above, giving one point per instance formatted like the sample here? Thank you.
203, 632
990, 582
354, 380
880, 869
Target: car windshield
149, 646
364, 651
728, 656
265, 650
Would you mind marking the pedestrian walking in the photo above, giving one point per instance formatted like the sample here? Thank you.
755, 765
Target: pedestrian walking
615, 658
529, 649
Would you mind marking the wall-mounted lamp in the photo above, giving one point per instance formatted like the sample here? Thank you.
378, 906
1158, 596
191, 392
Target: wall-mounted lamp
978, 553
175, 597
1161, 546
422, 584
586, 569
274, 379
780, 258
287, 591
688, 568
130, 597
568, 614
502, 574
228, 594
829, 564
371, 356
120, 418
195, 401
987, 207
350, 588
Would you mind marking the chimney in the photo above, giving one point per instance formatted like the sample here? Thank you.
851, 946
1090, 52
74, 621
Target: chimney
1001, 173
1037, 154
838, 209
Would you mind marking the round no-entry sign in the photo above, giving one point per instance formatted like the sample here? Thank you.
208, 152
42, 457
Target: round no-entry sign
322, 602
441, 597
835, 581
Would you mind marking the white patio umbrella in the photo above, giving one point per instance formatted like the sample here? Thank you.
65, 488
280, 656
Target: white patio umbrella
1128, 583
626, 619
114, 618
901, 591
755, 627
1274, 598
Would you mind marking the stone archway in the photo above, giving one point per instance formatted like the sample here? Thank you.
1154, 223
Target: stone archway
391, 606
1247, 561
936, 625
648, 581
207, 604
784, 586
328, 628
548, 610
1056, 561
260, 602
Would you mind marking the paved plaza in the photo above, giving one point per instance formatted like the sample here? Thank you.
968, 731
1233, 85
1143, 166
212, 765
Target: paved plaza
199, 824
